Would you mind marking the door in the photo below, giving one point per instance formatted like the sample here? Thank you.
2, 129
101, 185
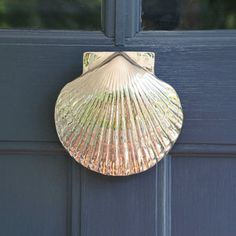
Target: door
190, 192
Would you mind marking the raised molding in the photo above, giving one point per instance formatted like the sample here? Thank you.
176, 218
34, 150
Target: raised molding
45, 148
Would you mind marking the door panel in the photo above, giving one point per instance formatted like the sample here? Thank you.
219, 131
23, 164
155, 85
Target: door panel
117, 206
201, 67
34, 194
203, 195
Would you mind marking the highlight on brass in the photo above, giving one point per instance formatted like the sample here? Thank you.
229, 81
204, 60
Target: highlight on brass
118, 118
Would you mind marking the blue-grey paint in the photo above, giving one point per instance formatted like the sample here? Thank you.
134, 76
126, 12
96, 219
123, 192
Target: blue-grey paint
44, 192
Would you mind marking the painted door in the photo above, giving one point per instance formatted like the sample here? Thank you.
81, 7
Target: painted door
44, 192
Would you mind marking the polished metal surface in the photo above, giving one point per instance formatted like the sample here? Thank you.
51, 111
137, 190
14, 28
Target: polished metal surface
118, 118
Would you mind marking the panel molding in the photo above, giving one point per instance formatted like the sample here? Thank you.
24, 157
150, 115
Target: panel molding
121, 19
75, 227
54, 37
163, 198
145, 39
188, 38
45, 148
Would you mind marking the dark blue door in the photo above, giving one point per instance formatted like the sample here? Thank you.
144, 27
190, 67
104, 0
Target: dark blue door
44, 192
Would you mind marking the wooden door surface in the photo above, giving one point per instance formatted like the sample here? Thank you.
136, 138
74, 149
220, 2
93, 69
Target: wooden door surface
44, 192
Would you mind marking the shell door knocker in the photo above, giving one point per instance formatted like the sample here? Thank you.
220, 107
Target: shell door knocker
118, 118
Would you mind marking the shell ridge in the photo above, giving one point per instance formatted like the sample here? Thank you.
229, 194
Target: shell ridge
163, 94
150, 89
133, 134
127, 153
152, 115
158, 107
109, 136
103, 112
168, 134
89, 109
118, 162
84, 112
133, 155
81, 130
95, 133
129, 159
148, 141
109, 130
149, 121
140, 153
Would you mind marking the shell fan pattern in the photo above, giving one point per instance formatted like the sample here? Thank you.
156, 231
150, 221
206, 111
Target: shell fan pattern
118, 118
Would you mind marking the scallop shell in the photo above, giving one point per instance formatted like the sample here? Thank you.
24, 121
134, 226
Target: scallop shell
118, 118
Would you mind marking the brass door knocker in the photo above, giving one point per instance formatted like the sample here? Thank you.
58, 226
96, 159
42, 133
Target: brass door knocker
118, 118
